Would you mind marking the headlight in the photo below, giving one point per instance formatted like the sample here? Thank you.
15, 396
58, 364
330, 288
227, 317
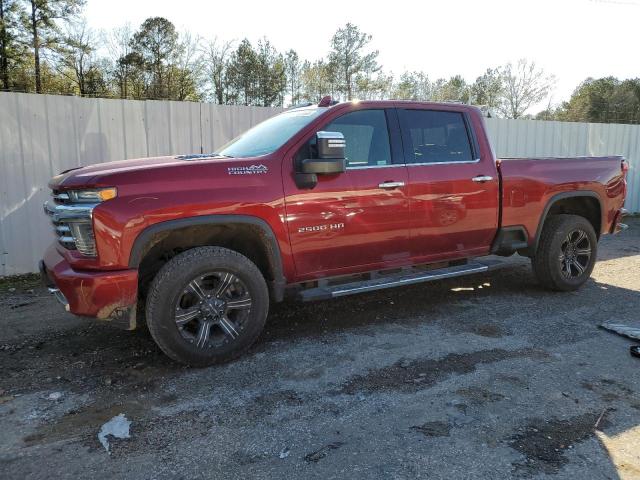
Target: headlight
72, 217
96, 195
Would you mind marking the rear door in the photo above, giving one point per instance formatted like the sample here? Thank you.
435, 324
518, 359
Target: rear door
357, 220
453, 187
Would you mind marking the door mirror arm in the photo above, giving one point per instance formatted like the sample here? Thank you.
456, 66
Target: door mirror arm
331, 160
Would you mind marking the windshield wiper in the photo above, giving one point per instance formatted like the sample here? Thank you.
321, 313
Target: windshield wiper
221, 155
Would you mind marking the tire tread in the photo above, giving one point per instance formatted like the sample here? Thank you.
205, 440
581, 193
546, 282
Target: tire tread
542, 263
167, 272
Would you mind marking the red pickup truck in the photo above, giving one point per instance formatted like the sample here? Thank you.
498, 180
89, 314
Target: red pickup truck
320, 201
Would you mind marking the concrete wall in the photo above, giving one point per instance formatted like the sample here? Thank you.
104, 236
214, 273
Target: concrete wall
42, 135
531, 138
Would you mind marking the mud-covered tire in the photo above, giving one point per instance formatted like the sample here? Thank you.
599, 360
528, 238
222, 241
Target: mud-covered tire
172, 291
551, 257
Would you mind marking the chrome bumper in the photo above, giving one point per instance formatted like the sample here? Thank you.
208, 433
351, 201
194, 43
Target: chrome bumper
44, 276
59, 296
619, 226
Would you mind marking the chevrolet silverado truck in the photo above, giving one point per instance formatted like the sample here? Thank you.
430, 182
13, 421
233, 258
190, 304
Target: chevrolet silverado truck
318, 202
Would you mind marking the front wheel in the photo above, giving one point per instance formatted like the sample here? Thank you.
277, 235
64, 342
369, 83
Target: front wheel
207, 305
566, 253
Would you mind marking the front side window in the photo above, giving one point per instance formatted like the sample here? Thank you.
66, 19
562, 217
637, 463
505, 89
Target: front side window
436, 136
268, 136
366, 136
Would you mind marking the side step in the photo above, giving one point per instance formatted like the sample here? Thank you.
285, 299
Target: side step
395, 280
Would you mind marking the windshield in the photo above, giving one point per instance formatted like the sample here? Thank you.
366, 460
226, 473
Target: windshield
270, 135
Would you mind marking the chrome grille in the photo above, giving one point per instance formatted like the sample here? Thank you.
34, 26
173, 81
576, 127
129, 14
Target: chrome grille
72, 223
60, 198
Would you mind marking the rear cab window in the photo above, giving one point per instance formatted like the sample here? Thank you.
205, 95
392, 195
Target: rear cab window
436, 136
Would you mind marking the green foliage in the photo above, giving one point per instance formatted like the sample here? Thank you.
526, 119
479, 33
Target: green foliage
488, 89
12, 49
413, 86
256, 76
44, 48
293, 73
605, 100
453, 90
349, 60
39, 19
318, 80
155, 43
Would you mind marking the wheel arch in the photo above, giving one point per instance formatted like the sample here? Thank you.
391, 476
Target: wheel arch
248, 235
585, 203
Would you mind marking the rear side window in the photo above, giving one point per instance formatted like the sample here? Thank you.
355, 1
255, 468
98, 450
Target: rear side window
435, 136
366, 136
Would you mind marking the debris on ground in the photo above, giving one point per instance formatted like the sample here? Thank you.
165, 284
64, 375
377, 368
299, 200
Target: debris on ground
284, 453
433, 429
624, 330
54, 396
117, 427
319, 454
20, 305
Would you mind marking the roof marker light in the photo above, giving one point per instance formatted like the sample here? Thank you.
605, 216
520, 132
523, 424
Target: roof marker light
326, 101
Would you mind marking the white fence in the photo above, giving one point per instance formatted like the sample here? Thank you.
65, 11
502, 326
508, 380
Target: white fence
41, 135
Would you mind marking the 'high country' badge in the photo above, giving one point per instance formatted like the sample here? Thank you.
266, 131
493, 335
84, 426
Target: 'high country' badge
251, 170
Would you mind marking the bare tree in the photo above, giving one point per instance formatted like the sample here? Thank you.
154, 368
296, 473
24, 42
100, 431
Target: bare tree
187, 63
119, 43
524, 86
76, 58
216, 59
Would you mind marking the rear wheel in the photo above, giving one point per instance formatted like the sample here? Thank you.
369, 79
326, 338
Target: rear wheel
207, 305
566, 252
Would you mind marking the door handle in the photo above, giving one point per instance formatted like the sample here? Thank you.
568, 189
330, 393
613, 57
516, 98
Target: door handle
391, 185
482, 178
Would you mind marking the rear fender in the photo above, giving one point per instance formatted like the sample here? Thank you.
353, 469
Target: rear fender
554, 200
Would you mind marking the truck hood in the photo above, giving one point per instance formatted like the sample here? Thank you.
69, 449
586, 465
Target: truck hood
114, 173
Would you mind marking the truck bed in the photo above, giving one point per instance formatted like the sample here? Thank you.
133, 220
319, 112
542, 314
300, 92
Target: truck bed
528, 184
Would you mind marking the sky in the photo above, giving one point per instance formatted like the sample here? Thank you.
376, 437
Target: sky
571, 39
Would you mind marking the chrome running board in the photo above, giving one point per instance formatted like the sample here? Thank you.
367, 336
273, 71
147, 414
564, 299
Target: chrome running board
405, 277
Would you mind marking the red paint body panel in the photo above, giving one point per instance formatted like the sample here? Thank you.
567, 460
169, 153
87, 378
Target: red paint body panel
439, 214
92, 294
160, 189
353, 222
451, 215
360, 227
529, 184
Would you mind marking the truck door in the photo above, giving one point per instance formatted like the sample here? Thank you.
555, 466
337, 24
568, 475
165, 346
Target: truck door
453, 187
356, 220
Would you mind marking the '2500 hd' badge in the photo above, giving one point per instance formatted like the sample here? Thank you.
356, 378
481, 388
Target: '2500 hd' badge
251, 170
321, 228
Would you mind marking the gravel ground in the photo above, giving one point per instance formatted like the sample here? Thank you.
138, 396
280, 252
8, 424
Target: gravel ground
487, 376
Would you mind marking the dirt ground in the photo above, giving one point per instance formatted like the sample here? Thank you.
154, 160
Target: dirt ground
482, 377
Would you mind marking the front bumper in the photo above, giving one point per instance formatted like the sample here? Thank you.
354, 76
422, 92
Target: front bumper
106, 295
